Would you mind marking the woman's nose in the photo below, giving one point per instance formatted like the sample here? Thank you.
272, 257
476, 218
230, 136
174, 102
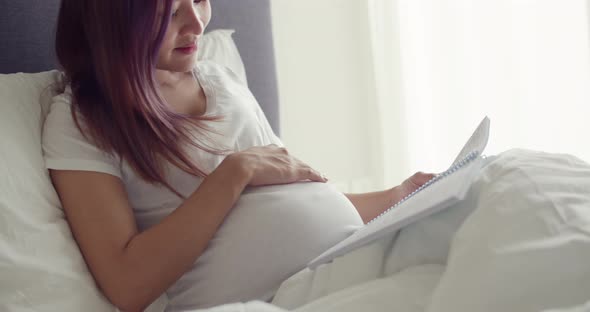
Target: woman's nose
195, 22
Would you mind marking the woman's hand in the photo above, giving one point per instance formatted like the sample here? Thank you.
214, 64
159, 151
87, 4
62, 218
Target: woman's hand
266, 165
408, 186
370, 205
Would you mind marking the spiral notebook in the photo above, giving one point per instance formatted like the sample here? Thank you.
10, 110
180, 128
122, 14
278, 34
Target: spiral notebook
442, 191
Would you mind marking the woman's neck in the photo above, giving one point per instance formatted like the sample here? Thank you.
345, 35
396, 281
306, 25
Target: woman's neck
170, 79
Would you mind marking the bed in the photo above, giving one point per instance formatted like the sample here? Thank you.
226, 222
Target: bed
519, 242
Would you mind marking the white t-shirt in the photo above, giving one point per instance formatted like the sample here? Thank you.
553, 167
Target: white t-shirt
244, 126
305, 218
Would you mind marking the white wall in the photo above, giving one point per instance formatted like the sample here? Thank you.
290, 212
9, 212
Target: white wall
322, 53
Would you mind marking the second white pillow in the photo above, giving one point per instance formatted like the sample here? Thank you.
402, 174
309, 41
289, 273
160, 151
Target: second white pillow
218, 46
526, 247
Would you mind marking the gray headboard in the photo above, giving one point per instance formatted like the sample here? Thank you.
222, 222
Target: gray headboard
27, 32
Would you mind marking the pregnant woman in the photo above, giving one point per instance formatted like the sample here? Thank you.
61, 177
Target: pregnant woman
170, 176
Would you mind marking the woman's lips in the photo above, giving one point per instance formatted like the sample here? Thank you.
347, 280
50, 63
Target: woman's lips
188, 49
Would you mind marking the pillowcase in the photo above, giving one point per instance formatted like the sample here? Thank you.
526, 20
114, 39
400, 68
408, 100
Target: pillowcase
526, 246
38, 254
219, 47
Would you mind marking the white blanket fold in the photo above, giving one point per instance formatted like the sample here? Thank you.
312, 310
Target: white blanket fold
520, 242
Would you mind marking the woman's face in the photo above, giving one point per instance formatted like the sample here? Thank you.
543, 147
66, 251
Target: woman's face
187, 23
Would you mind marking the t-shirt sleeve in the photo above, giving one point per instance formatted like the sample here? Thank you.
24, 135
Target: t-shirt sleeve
64, 146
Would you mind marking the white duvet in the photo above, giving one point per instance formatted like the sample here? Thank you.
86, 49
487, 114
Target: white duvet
519, 242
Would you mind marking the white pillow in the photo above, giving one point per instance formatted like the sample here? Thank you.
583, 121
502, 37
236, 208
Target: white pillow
38, 254
37, 251
526, 247
41, 267
40, 264
219, 47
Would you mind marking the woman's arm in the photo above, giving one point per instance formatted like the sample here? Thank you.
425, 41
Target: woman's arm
370, 205
133, 269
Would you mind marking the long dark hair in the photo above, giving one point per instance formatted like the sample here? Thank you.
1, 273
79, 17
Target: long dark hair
107, 50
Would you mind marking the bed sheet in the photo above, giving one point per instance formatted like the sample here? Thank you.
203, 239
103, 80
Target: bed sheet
407, 291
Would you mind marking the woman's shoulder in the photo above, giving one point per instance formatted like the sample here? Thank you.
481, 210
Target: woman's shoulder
59, 123
60, 108
64, 145
60, 113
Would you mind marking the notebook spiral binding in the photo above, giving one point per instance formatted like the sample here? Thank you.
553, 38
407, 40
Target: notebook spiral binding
458, 165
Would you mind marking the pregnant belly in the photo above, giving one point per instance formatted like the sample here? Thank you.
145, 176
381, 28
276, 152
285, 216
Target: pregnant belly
271, 233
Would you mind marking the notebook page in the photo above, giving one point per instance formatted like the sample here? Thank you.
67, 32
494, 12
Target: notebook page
441, 194
477, 141
436, 197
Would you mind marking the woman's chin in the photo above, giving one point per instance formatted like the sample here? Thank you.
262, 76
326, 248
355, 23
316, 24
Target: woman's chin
179, 66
